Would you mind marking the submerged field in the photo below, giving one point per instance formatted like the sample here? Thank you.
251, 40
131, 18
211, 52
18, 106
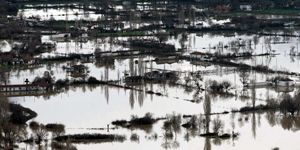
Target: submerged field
88, 109
163, 87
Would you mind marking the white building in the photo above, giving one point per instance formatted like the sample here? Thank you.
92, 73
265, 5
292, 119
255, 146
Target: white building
246, 7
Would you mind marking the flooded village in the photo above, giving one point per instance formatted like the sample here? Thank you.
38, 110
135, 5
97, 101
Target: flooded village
149, 74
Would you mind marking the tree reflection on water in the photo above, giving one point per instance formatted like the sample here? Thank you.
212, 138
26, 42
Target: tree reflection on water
10, 133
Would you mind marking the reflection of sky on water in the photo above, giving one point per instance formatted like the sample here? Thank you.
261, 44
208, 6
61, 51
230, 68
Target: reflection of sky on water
91, 110
86, 107
99, 106
255, 134
5, 46
60, 14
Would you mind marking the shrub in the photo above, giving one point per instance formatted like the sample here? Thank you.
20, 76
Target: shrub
226, 85
146, 120
62, 83
119, 122
93, 80
40, 134
217, 125
33, 125
173, 123
90, 138
222, 87
192, 123
214, 86
288, 105
55, 128
62, 146
134, 137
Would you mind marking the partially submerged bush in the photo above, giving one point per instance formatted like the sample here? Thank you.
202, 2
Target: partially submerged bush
33, 125
222, 87
93, 80
20, 114
90, 138
56, 129
47, 78
279, 78
146, 120
217, 125
288, 105
120, 122
134, 137
272, 103
192, 123
40, 133
209, 134
256, 108
62, 83
221, 136
62, 146
172, 124
167, 127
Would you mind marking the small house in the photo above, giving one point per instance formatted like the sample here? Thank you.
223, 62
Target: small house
246, 7
77, 70
156, 75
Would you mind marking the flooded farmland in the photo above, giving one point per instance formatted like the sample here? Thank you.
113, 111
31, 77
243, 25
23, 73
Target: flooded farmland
140, 74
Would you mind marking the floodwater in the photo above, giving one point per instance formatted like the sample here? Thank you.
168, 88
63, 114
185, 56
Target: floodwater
86, 109
94, 109
60, 14
82, 108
